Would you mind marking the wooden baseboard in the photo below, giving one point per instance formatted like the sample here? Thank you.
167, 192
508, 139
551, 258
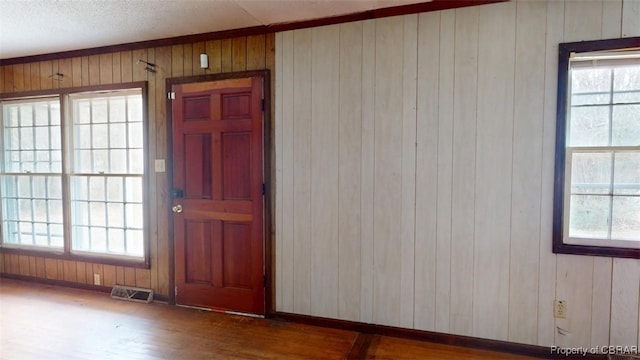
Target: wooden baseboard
541, 352
70, 284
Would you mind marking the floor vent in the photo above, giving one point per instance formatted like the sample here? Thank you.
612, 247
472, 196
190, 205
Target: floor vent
132, 293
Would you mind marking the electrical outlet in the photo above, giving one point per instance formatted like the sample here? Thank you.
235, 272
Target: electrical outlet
560, 309
96, 279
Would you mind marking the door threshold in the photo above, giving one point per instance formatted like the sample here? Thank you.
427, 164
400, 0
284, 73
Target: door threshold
228, 312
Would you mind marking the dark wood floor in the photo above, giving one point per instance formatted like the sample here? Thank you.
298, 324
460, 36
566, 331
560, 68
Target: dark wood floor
47, 322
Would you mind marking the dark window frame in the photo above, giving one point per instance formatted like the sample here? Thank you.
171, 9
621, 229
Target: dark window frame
565, 51
66, 253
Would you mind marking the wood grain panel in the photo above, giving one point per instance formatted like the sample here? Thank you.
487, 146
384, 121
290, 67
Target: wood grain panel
625, 299
70, 271
214, 50
547, 266
463, 173
197, 49
526, 171
494, 149
367, 170
226, 54
574, 283
93, 71
387, 260
34, 76
51, 268
408, 215
256, 51
630, 18
46, 75
301, 165
444, 171
426, 165
116, 67
6, 82
177, 61
284, 164
349, 128
23, 265
187, 59
105, 64
109, 275
324, 158
239, 54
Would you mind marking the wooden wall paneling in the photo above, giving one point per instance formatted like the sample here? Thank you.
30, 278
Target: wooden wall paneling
349, 147
601, 304
88, 271
120, 275
214, 50
138, 73
23, 265
444, 170
630, 18
426, 168
574, 283
70, 271
239, 54
177, 61
625, 299
582, 20
35, 76
408, 190
367, 170
156, 105
611, 19
108, 275
325, 62
85, 71
284, 174
7, 79
126, 66
81, 272
106, 68
94, 69
226, 55
46, 75
76, 71
97, 269
14, 264
301, 163
19, 77
188, 59
130, 277
40, 267
32, 266
547, 267
51, 268
528, 110
197, 49
163, 60
256, 52
463, 175
2, 269
65, 67
17, 74
117, 67
143, 278
387, 260
494, 148
60, 264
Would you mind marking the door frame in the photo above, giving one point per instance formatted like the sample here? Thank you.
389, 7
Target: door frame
266, 174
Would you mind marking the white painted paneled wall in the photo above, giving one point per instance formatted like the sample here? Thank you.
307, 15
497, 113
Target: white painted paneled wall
414, 175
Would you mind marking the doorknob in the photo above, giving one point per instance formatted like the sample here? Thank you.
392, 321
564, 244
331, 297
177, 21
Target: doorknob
177, 208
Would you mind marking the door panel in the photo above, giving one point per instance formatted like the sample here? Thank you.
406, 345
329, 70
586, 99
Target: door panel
218, 234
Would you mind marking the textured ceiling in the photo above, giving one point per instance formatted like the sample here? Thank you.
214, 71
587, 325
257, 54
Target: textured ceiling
34, 27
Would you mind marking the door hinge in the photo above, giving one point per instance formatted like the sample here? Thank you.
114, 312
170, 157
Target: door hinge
171, 95
262, 105
264, 189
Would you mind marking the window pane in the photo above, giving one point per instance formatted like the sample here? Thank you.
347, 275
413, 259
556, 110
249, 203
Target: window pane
627, 173
626, 125
626, 218
100, 136
589, 216
589, 126
590, 86
115, 189
31, 205
590, 173
99, 112
133, 189
96, 188
117, 110
118, 136
626, 85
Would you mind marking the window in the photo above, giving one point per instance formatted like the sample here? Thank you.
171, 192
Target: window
597, 190
73, 174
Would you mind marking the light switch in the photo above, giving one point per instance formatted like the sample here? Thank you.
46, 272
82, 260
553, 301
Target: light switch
160, 166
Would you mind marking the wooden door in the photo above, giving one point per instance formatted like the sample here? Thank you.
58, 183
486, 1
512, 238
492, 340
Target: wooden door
218, 194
